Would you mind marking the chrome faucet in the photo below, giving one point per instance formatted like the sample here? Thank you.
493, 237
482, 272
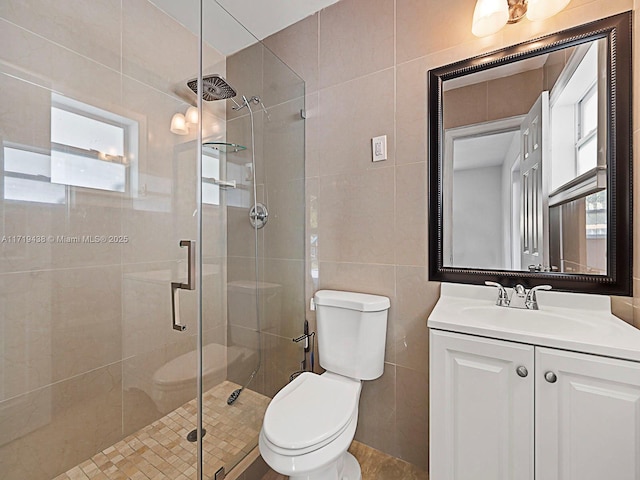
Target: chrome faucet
520, 298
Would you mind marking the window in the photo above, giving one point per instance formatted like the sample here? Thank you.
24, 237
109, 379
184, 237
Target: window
27, 177
587, 132
574, 103
578, 197
210, 172
90, 148
596, 212
578, 234
220, 173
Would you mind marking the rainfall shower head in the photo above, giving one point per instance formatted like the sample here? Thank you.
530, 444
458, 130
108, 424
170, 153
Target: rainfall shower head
214, 88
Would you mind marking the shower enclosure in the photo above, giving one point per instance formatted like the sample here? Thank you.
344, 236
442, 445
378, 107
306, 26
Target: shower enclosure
136, 294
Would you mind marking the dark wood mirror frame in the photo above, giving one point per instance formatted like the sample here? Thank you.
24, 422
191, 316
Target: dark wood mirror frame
618, 280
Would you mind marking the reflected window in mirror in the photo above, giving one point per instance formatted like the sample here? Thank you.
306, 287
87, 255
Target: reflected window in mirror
578, 242
587, 128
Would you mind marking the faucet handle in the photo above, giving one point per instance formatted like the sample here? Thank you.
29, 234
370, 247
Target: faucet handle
541, 287
503, 297
531, 302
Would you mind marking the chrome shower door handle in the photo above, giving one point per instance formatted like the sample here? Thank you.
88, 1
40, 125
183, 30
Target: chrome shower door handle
175, 307
190, 285
191, 264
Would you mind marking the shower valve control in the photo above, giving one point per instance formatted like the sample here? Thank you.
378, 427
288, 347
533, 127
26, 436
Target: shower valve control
379, 148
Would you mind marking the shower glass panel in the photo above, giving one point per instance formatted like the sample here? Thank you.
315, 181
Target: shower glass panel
263, 162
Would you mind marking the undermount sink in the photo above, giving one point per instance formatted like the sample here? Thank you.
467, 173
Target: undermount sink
531, 321
571, 321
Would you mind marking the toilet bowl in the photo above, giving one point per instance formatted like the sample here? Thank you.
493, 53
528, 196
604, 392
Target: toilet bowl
326, 408
310, 423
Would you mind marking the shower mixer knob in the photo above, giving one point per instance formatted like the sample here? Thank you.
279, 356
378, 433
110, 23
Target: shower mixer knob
258, 215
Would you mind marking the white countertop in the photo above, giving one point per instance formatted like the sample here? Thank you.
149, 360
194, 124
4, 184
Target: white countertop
570, 321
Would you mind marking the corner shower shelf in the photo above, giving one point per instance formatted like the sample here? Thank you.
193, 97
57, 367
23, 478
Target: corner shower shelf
225, 147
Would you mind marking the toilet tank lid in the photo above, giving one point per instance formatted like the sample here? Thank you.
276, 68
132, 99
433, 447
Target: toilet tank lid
362, 302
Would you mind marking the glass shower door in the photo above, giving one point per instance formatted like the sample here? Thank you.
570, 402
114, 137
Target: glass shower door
99, 186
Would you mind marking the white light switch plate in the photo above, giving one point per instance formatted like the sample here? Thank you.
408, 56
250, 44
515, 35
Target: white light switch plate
379, 148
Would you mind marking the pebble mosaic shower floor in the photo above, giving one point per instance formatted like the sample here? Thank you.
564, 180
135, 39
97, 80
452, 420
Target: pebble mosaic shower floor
161, 450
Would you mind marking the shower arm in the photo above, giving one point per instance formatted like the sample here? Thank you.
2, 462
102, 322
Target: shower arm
255, 100
237, 105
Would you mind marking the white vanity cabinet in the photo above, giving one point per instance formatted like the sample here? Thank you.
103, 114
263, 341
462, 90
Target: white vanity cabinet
588, 419
575, 416
481, 418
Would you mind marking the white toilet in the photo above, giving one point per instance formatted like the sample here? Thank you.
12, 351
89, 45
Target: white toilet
310, 423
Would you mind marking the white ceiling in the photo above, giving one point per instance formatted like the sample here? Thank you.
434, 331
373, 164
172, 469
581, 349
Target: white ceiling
231, 25
482, 151
265, 17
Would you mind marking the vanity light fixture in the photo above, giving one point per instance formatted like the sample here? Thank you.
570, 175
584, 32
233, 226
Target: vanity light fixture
490, 16
179, 124
191, 115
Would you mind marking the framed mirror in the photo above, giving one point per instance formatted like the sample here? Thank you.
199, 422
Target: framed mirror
530, 170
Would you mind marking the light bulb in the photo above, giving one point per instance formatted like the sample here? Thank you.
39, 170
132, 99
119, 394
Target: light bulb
192, 115
489, 16
179, 124
541, 9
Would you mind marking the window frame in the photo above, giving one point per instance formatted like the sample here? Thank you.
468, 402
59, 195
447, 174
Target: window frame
583, 138
130, 130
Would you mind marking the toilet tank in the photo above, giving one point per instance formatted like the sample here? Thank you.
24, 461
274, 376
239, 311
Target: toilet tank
352, 331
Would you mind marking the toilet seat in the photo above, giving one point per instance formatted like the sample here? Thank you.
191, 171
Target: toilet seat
310, 412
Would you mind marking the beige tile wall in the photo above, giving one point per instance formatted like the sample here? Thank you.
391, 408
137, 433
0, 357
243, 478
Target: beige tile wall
493, 100
365, 65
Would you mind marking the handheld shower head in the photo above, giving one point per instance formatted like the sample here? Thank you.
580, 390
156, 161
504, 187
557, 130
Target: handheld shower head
214, 87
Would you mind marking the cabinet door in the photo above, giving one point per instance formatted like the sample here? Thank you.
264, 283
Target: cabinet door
481, 422
588, 420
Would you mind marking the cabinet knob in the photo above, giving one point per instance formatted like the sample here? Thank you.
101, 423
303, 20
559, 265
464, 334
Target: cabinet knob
550, 377
522, 371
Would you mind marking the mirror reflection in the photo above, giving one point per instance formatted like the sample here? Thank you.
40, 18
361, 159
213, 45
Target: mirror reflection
524, 162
